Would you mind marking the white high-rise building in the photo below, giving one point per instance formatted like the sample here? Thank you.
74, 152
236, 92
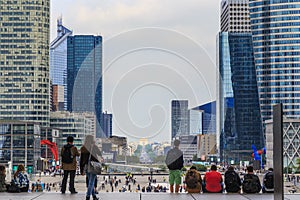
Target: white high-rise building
235, 16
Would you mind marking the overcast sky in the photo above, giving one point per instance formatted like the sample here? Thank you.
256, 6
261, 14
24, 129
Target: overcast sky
153, 51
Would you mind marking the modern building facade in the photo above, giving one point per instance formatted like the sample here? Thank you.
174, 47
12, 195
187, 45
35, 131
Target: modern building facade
77, 125
235, 16
106, 124
179, 118
84, 79
20, 144
238, 104
188, 145
195, 122
239, 121
276, 40
208, 118
58, 60
24, 60
291, 142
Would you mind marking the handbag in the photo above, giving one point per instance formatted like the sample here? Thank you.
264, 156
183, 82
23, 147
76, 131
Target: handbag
94, 167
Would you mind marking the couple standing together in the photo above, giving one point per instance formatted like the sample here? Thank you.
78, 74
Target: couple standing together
88, 152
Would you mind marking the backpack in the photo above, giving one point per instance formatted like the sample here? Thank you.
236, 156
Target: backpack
269, 180
251, 184
231, 182
191, 179
67, 156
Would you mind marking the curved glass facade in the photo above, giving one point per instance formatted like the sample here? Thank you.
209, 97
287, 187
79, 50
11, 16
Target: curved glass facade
276, 40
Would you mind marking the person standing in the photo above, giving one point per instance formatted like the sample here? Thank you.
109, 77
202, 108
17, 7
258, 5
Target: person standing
69, 165
89, 151
174, 161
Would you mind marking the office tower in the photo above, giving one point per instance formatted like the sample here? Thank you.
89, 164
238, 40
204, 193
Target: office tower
235, 16
73, 124
239, 122
276, 40
195, 122
58, 64
208, 117
106, 124
84, 81
179, 118
24, 60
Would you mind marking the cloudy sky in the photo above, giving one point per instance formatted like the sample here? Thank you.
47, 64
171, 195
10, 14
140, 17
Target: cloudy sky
153, 51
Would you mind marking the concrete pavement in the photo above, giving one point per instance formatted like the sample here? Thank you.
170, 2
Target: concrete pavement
141, 196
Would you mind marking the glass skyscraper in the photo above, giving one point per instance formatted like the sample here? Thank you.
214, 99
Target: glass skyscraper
24, 60
180, 118
240, 121
276, 39
84, 76
58, 60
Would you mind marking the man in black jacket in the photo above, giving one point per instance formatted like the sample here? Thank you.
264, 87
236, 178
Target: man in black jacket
174, 161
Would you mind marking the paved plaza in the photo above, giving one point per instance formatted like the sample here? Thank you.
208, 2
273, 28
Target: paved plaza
141, 196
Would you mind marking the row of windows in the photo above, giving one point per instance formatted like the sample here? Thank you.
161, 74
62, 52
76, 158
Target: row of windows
26, 113
277, 54
275, 13
265, 43
280, 95
254, 3
280, 7
275, 19
282, 89
268, 78
22, 96
277, 60
275, 25
285, 66
277, 36
288, 83
279, 30
277, 48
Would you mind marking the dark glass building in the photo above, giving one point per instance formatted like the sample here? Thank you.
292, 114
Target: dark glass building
107, 124
84, 76
240, 122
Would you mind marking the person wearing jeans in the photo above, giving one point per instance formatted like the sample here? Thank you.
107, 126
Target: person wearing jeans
89, 152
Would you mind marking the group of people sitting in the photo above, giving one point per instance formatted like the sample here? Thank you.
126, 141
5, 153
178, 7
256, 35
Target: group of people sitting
212, 181
20, 182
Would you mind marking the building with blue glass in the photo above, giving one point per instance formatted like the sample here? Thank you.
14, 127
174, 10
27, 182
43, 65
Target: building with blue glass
58, 64
276, 39
239, 120
106, 124
84, 76
208, 117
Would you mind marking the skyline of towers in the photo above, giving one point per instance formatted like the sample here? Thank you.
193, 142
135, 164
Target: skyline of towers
24, 61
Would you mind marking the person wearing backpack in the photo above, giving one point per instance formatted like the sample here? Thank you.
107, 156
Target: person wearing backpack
232, 181
251, 182
268, 182
212, 181
69, 165
193, 181
174, 161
